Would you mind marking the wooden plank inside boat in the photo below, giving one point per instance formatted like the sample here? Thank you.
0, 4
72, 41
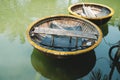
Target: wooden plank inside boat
62, 32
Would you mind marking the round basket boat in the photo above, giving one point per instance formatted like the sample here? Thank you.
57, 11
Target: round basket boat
63, 35
97, 13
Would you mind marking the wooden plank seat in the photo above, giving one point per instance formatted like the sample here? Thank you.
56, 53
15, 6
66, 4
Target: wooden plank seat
68, 33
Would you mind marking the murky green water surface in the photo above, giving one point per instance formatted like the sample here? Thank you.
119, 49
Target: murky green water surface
20, 61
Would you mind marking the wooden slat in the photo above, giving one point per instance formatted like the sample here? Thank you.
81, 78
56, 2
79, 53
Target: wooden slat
60, 32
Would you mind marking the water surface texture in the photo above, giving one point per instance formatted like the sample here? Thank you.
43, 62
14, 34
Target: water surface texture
20, 61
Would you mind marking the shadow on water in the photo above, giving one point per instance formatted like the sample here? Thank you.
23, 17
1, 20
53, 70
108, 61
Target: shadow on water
63, 69
104, 29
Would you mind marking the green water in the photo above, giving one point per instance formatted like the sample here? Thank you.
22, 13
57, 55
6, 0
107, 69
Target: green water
20, 61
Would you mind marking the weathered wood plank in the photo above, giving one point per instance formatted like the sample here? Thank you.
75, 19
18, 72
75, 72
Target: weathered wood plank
60, 32
88, 12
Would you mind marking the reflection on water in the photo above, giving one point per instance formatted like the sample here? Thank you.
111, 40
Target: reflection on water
104, 29
71, 68
117, 23
13, 18
16, 15
98, 75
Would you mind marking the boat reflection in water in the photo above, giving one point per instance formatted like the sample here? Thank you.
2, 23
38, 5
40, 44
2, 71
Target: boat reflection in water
104, 29
69, 68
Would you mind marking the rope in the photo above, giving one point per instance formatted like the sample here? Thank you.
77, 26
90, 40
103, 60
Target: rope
115, 59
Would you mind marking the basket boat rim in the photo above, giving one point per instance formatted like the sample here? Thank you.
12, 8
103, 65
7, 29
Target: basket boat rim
94, 4
62, 53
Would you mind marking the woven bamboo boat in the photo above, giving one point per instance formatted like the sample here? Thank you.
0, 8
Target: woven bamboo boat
97, 13
64, 35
